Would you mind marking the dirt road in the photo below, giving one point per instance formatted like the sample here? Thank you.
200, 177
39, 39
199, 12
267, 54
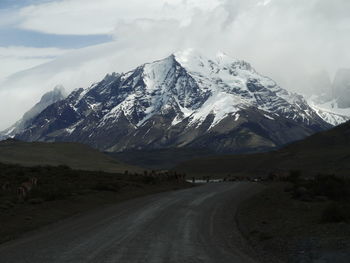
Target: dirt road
192, 225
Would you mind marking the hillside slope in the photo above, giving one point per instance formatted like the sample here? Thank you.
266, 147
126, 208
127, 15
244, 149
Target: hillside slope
74, 155
325, 152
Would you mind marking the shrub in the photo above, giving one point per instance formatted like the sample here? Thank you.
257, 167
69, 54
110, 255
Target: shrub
50, 193
265, 236
331, 186
107, 187
149, 180
64, 167
294, 176
335, 213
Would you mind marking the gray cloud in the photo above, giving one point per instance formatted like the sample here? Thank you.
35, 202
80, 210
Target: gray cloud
288, 40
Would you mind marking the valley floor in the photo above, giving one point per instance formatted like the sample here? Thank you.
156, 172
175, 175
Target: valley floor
191, 225
62, 193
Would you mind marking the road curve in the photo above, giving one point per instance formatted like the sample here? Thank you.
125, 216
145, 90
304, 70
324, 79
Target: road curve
192, 225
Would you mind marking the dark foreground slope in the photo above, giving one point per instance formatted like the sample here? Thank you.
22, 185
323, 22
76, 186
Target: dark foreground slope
62, 192
74, 155
325, 152
161, 158
283, 227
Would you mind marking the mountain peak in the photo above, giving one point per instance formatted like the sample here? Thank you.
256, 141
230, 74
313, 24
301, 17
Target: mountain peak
186, 99
57, 94
219, 62
59, 89
191, 55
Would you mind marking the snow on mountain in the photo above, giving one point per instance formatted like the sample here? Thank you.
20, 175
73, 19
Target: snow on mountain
49, 98
238, 84
330, 112
225, 85
331, 101
184, 100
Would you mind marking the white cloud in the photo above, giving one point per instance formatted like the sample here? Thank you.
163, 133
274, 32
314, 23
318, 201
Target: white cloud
285, 39
82, 17
26, 52
16, 58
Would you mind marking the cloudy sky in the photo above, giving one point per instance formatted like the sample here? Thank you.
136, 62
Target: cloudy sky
44, 43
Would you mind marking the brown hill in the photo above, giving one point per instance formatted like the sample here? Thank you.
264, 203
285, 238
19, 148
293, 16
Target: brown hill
74, 155
325, 152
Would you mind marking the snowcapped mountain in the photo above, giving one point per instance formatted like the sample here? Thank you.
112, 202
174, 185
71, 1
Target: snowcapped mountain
57, 94
184, 100
330, 112
333, 103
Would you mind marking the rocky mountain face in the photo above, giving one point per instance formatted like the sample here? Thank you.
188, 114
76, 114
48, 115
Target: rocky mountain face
184, 100
331, 115
49, 98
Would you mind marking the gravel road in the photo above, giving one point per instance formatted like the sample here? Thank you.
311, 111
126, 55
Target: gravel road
192, 225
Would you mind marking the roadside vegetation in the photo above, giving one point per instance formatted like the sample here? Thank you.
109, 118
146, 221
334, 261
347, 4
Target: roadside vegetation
328, 188
299, 218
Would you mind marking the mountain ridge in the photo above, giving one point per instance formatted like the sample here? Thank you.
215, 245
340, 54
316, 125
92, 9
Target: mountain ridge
49, 98
184, 100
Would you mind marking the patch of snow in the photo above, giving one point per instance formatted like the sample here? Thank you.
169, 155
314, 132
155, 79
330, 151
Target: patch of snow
220, 105
70, 130
93, 106
268, 117
9, 132
331, 106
